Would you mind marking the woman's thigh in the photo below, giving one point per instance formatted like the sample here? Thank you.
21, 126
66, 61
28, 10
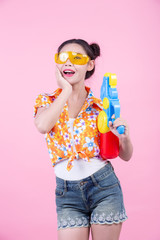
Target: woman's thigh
77, 233
106, 231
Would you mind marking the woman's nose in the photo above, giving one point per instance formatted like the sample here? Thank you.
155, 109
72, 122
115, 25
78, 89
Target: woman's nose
68, 62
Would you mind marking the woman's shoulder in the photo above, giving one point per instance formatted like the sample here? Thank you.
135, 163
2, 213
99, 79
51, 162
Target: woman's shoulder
46, 96
55, 93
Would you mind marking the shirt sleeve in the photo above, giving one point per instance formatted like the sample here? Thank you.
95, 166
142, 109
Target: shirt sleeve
42, 100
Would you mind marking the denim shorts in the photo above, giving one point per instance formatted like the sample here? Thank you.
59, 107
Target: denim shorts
97, 199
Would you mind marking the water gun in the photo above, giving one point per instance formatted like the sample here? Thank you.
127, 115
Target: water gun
109, 142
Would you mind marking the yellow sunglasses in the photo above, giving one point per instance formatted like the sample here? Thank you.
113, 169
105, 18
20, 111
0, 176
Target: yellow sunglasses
74, 57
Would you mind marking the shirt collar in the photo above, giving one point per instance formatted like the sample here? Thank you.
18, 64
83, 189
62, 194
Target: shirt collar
91, 99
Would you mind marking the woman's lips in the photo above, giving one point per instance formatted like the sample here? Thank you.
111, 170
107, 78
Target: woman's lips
68, 72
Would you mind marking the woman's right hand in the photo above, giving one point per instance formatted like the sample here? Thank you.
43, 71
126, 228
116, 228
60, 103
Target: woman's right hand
61, 81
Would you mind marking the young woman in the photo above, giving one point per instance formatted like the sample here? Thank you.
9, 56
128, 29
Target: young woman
88, 192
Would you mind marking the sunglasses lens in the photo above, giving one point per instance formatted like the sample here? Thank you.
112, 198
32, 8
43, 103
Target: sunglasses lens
75, 58
63, 56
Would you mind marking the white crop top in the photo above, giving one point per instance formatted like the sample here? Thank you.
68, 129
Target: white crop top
81, 169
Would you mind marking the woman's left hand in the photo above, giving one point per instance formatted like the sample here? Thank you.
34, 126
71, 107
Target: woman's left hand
118, 122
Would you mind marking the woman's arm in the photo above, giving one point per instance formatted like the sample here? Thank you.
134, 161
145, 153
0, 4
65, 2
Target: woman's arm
125, 145
47, 117
125, 148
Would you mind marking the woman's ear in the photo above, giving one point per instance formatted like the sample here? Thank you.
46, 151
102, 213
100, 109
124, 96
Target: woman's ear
91, 64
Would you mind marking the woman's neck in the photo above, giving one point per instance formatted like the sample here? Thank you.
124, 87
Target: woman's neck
78, 94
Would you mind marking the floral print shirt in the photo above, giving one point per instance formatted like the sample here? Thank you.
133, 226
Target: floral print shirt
85, 130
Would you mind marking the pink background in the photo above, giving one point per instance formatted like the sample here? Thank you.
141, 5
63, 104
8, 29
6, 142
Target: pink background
128, 33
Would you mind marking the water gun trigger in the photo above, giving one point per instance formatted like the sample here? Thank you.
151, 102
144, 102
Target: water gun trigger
121, 128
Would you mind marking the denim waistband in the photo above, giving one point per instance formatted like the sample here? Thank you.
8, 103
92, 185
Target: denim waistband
95, 176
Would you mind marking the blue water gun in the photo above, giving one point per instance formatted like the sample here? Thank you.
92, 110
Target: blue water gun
111, 105
109, 142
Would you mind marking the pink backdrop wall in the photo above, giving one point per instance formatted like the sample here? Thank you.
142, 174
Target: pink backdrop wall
128, 33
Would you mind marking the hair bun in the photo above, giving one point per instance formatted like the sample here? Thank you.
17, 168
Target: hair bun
96, 49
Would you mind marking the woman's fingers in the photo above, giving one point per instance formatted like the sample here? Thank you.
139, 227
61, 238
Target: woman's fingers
62, 82
118, 122
110, 124
58, 72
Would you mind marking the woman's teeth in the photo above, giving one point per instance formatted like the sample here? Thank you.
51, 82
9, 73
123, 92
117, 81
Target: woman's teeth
69, 73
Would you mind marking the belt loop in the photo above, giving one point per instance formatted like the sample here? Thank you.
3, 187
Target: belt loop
94, 180
65, 185
111, 165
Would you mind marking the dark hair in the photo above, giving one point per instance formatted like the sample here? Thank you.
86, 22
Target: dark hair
92, 50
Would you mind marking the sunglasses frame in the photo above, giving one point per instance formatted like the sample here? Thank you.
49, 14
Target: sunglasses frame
85, 58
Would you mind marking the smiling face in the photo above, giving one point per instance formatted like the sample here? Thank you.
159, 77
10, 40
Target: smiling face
80, 70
